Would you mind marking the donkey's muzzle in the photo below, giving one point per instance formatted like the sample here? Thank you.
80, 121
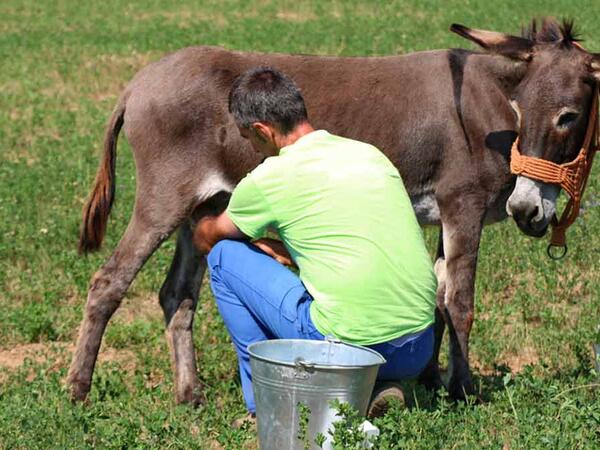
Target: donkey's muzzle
528, 220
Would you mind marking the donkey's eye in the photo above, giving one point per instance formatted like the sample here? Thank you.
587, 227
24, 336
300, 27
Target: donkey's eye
566, 119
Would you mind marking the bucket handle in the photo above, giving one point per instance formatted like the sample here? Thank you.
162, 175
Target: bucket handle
304, 366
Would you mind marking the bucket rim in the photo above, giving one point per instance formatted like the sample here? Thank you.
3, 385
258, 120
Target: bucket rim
316, 365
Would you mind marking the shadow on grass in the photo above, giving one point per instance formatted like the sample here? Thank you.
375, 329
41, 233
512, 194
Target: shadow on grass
489, 385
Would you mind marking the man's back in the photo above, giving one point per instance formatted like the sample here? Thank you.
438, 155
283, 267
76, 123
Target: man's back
342, 211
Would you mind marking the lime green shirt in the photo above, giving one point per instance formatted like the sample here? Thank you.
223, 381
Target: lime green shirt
341, 210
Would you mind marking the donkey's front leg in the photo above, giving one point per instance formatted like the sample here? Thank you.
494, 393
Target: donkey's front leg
430, 377
462, 222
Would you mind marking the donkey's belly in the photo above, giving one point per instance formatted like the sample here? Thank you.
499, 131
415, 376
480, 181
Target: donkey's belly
212, 184
428, 211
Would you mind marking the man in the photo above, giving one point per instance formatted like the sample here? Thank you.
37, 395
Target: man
344, 219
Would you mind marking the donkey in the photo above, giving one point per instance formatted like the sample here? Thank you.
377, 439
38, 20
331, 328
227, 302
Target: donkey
445, 118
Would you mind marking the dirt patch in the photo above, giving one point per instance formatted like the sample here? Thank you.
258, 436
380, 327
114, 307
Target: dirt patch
374, 10
184, 18
100, 78
214, 445
525, 357
60, 353
296, 16
139, 307
106, 75
12, 87
15, 357
515, 361
251, 445
134, 60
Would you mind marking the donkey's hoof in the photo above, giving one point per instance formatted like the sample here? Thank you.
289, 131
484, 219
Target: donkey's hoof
193, 396
79, 392
431, 379
461, 390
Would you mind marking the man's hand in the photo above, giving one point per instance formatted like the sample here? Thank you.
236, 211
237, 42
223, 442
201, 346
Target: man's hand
211, 229
276, 250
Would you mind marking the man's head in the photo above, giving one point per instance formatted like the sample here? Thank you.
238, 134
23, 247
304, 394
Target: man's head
267, 107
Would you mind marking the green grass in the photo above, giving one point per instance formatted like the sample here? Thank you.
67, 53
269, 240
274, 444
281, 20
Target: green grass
63, 66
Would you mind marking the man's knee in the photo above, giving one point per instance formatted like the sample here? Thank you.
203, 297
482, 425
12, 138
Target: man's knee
224, 249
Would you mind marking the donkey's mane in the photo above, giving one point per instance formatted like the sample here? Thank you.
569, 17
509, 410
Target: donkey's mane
552, 32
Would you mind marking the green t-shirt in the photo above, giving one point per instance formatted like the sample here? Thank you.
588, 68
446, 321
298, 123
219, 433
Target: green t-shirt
341, 209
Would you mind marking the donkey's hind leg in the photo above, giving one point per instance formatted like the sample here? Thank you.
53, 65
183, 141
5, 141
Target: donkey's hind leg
178, 299
107, 288
430, 377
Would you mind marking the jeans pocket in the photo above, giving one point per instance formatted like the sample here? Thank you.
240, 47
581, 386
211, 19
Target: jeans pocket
291, 301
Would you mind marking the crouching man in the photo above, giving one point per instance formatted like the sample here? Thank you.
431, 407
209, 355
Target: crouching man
344, 219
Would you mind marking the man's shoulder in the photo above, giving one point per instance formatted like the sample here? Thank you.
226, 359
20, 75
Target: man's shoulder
354, 143
343, 139
363, 152
268, 169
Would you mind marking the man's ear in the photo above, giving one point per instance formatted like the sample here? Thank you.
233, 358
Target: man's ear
503, 44
263, 131
594, 66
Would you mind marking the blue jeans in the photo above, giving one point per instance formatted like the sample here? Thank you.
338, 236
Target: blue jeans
260, 299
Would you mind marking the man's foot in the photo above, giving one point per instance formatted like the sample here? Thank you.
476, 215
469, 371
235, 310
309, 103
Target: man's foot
380, 400
249, 420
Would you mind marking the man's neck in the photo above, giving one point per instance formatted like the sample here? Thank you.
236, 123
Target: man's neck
301, 129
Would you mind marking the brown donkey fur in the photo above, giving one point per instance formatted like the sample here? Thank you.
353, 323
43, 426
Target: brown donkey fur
444, 118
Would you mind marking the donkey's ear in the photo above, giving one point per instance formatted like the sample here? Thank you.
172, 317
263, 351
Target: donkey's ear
503, 44
594, 66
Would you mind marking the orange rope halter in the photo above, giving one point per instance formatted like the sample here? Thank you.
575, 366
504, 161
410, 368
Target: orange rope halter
572, 176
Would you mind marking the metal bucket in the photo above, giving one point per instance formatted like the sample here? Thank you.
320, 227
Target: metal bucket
289, 373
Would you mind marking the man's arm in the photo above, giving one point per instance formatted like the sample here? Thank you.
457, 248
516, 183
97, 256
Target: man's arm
276, 250
211, 229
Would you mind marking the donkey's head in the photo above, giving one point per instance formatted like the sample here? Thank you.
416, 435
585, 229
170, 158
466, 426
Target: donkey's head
552, 102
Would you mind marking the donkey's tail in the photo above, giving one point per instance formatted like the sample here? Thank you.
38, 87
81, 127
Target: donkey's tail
100, 201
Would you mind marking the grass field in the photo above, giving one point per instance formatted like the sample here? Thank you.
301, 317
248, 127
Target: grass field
63, 66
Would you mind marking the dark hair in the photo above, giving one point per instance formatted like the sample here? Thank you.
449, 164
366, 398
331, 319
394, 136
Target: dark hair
263, 94
552, 31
